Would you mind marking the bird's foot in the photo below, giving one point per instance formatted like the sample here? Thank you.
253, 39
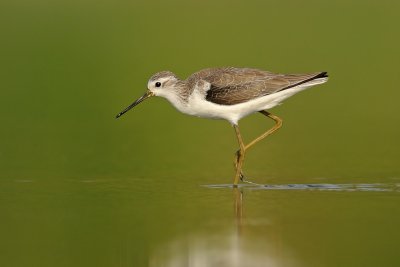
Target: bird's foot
244, 180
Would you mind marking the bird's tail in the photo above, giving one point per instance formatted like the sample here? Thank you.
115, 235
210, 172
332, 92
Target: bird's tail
322, 77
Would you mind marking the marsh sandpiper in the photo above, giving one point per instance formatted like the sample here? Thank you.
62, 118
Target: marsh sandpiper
230, 93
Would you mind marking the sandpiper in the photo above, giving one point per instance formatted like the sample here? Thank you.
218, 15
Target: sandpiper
230, 93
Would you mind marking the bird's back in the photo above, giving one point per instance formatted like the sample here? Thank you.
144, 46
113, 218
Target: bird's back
230, 86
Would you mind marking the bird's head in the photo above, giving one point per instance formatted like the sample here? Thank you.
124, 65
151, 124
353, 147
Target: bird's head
160, 84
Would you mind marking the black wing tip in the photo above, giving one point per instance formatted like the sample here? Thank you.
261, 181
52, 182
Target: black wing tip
323, 74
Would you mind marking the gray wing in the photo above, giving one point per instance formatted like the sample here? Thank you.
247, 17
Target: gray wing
230, 86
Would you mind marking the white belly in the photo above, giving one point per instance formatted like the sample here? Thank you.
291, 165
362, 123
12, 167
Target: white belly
197, 105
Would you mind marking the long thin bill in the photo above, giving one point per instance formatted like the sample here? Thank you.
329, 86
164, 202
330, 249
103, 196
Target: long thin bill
138, 101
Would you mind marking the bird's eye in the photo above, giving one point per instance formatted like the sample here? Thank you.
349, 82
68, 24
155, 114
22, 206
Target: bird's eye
158, 84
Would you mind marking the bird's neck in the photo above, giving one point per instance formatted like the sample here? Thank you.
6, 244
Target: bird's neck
182, 90
178, 95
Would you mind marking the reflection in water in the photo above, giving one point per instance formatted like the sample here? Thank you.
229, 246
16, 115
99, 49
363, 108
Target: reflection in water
248, 242
238, 208
237, 246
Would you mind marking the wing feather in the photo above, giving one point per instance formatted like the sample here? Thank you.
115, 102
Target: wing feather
230, 86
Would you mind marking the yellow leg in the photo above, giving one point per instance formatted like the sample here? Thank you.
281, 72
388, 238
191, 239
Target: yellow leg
240, 154
235, 163
278, 124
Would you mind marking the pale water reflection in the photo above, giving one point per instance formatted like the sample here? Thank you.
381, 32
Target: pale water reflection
234, 243
284, 235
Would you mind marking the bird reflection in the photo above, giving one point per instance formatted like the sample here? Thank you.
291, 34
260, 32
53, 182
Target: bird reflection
244, 244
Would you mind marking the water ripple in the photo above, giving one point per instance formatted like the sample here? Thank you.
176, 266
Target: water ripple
377, 187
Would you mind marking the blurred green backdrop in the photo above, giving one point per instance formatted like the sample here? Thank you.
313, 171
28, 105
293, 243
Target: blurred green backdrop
68, 67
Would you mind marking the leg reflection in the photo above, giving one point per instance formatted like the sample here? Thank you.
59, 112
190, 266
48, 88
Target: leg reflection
243, 240
238, 208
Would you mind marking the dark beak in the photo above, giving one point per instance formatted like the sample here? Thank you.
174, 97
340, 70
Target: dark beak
145, 96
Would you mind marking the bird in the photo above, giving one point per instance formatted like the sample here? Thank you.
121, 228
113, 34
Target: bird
230, 93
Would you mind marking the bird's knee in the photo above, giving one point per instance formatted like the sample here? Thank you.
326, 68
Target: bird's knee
239, 154
279, 123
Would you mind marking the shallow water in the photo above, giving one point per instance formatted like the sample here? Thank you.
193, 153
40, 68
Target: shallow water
127, 222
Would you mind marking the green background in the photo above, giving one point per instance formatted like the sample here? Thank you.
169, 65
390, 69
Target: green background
79, 188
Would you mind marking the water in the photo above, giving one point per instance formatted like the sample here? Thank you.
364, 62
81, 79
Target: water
120, 222
79, 188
